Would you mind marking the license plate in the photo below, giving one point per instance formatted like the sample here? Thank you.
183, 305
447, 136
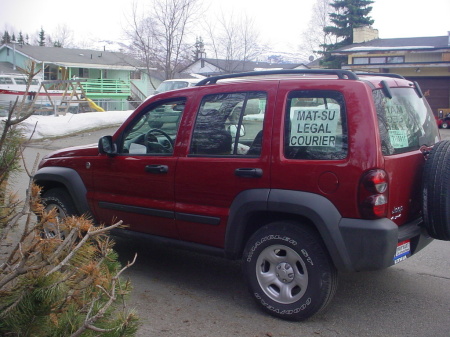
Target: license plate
403, 251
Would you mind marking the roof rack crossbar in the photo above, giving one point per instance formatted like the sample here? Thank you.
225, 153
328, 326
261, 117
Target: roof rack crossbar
382, 74
341, 74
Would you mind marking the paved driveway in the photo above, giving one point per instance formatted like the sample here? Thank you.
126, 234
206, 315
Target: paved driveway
179, 293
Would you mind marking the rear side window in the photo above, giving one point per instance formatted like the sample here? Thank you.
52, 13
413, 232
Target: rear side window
405, 121
230, 124
315, 126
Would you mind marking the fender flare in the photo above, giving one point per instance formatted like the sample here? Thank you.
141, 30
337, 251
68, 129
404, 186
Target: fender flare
318, 209
70, 179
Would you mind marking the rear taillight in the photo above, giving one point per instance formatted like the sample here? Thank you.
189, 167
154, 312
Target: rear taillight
373, 194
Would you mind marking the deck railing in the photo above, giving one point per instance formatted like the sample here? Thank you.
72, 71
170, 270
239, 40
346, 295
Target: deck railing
107, 88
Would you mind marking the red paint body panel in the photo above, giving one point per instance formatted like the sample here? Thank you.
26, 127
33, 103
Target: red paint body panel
207, 186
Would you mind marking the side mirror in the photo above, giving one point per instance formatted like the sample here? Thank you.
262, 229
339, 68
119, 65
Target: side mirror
106, 146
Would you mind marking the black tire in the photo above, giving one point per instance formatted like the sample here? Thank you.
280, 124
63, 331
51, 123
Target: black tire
57, 198
444, 125
289, 271
436, 197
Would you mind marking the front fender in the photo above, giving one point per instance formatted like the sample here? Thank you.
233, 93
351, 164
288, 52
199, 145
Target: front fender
48, 177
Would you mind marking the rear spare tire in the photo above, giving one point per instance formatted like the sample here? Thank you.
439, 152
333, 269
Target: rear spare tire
436, 198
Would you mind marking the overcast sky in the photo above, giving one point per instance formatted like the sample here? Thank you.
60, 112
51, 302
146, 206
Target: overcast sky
280, 23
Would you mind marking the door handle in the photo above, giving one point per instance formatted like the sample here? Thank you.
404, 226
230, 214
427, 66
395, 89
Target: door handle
248, 172
158, 169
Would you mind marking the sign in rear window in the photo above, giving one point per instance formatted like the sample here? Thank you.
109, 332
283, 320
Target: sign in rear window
313, 126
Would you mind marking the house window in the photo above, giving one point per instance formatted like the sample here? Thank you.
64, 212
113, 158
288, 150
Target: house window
135, 75
50, 73
378, 59
360, 60
83, 73
395, 59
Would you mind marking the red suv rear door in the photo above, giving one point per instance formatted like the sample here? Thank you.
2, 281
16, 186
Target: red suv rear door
228, 153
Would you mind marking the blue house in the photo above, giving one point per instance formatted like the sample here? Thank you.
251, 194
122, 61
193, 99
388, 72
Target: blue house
112, 79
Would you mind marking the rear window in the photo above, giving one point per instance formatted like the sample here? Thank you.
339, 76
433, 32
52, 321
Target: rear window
405, 121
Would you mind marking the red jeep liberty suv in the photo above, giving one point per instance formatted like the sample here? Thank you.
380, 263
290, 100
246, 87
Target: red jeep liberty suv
299, 173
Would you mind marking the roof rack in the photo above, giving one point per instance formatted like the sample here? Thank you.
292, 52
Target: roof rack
382, 74
341, 74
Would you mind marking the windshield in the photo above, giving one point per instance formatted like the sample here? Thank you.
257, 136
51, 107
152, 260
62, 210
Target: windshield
405, 121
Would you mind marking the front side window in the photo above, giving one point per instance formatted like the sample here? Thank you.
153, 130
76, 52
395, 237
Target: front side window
154, 132
230, 124
315, 125
405, 121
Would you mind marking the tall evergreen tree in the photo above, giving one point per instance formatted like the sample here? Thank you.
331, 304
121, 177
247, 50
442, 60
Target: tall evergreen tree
42, 37
20, 38
349, 14
6, 38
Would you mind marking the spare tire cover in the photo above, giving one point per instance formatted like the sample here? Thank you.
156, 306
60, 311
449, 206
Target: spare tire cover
436, 198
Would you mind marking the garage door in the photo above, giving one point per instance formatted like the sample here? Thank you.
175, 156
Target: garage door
436, 90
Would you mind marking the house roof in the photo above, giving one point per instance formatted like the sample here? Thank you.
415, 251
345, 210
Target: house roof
84, 58
234, 66
411, 43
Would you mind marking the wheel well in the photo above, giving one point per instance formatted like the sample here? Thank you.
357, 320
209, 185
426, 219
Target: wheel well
47, 185
258, 220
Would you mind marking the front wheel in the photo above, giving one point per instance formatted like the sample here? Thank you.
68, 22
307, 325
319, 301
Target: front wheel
60, 200
288, 270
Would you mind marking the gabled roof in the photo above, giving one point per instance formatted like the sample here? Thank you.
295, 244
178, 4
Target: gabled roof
412, 43
85, 58
235, 66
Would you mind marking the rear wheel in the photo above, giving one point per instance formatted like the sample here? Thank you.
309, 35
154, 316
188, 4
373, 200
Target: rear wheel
436, 200
59, 199
289, 271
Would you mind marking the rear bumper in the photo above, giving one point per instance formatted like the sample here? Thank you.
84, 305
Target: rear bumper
372, 244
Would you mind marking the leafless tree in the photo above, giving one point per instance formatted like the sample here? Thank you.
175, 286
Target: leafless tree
233, 38
315, 37
160, 37
62, 36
